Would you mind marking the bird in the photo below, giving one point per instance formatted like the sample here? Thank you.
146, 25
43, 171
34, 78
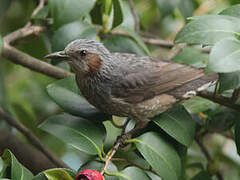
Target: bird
128, 85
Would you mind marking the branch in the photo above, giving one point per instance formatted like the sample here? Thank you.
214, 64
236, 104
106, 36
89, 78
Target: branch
135, 15
32, 138
30, 157
32, 63
175, 50
219, 99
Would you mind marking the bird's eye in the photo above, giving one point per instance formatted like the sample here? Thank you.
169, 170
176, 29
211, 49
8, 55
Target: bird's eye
83, 53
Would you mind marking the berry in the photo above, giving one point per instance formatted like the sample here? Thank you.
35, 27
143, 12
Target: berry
89, 174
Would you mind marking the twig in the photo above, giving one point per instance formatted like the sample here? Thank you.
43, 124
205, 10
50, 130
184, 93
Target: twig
176, 50
134, 164
32, 63
219, 99
159, 42
208, 156
32, 138
235, 95
135, 15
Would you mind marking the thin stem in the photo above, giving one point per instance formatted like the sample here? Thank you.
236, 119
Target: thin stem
135, 15
32, 138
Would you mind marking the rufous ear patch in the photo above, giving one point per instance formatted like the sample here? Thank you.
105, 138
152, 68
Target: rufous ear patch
94, 62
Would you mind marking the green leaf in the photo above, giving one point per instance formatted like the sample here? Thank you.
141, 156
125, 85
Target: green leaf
98, 165
186, 7
18, 172
159, 154
202, 175
70, 32
56, 174
77, 132
136, 38
66, 94
42, 14
229, 81
166, 7
107, 7
134, 173
178, 123
198, 104
225, 56
117, 13
237, 135
209, 29
1, 44
192, 56
232, 11
122, 44
66, 11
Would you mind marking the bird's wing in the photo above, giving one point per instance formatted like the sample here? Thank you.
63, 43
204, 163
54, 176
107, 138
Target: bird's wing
142, 78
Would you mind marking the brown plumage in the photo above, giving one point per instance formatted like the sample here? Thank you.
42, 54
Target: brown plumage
123, 84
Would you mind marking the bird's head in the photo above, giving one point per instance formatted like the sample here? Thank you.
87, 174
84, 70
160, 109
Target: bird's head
84, 56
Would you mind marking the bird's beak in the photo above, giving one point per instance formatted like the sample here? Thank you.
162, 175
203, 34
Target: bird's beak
57, 55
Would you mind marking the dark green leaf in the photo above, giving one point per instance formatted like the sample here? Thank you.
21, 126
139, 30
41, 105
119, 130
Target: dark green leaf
1, 44
77, 132
209, 29
70, 32
203, 175
160, 155
134, 173
192, 56
67, 95
136, 38
42, 14
122, 44
225, 56
66, 11
98, 165
198, 104
229, 81
237, 135
232, 11
166, 7
117, 13
18, 172
5, 4
178, 123
186, 7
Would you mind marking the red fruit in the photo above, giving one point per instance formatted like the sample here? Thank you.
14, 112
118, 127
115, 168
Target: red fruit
89, 174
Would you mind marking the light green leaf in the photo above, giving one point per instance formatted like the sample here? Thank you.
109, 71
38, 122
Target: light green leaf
134, 173
209, 29
70, 32
76, 132
186, 7
232, 11
57, 174
66, 11
160, 154
225, 56
166, 7
178, 123
229, 81
117, 13
136, 37
66, 94
18, 172
192, 56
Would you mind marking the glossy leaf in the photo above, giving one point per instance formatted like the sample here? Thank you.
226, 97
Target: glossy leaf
66, 11
202, 175
18, 171
98, 165
122, 44
67, 95
229, 81
237, 135
225, 56
232, 11
178, 123
76, 132
136, 38
117, 13
56, 174
134, 173
159, 154
192, 56
209, 29
70, 32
